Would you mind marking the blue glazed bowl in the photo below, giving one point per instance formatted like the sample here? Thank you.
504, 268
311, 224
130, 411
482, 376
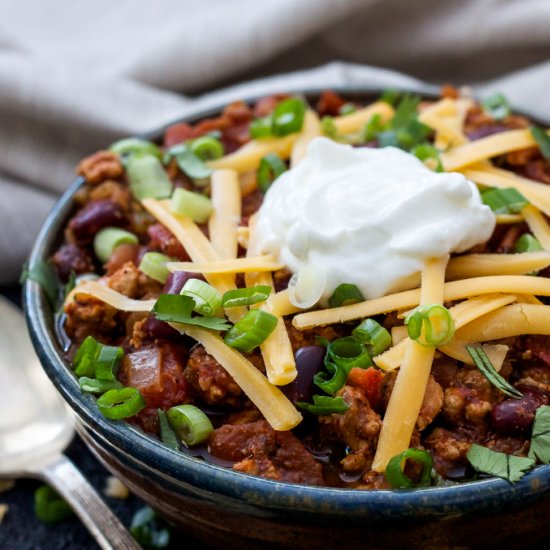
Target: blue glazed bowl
230, 509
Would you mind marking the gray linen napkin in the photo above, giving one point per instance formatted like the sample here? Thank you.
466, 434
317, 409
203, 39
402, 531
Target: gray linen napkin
75, 76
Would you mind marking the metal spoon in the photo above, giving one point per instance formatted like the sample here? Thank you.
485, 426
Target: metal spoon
35, 428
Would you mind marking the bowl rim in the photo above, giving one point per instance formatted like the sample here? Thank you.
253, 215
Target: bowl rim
481, 495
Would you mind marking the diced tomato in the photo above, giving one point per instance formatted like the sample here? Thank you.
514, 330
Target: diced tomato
370, 381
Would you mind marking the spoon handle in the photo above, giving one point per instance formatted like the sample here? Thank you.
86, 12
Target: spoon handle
104, 526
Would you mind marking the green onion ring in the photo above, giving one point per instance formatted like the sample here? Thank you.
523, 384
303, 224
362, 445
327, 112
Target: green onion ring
397, 477
251, 331
122, 403
191, 425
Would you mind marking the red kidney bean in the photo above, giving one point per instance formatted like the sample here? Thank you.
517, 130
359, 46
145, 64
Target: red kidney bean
309, 361
71, 257
484, 131
160, 329
515, 416
177, 280
95, 216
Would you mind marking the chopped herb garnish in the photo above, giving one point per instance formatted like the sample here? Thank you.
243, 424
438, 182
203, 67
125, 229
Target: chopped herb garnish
527, 243
42, 273
91, 385
508, 467
540, 440
150, 530
324, 405
496, 106
167, 434
543, 140
175, 308
483, 363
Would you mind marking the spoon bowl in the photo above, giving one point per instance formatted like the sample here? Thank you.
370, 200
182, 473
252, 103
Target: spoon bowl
35, 428
35, 425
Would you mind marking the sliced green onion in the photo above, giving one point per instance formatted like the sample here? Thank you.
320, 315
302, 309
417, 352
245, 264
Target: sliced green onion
91, 385
324, 405
345, 295
427, 152
342, 355
288, 117
147, 178
193, 205
175, 308
188, 162
207, 299
85, 357
107, 362
504, 201
271, 167
496, 106
527, 243
543, 140
107, 239
347, 109
49, 507
246, 296
328, 127
483, 363
126, 148
122, 403
372, 128
167, 434
251, 331
149, 530
373, 335
153, 264
397, 477
191, 425
207, 148
261, 127
430, 325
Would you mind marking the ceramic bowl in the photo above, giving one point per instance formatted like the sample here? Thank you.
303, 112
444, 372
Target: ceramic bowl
225, 508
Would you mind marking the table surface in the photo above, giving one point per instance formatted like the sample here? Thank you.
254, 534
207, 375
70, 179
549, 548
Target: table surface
21, 530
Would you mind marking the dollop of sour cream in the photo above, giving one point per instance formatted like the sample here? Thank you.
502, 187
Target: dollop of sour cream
370, 217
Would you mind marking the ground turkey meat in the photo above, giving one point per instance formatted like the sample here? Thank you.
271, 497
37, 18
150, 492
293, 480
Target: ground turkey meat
131, 282
358, 428
87, 316
258, 449
470, 398
209, 381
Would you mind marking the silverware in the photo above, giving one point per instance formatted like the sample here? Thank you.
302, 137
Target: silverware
35, 428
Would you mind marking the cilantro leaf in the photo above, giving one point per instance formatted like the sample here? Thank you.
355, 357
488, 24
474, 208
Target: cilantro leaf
44, 275
543, 140
508, 467
496, 106
175, 308
540, 440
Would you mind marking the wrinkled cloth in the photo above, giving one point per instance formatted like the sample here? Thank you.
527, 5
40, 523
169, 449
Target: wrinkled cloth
75, 76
